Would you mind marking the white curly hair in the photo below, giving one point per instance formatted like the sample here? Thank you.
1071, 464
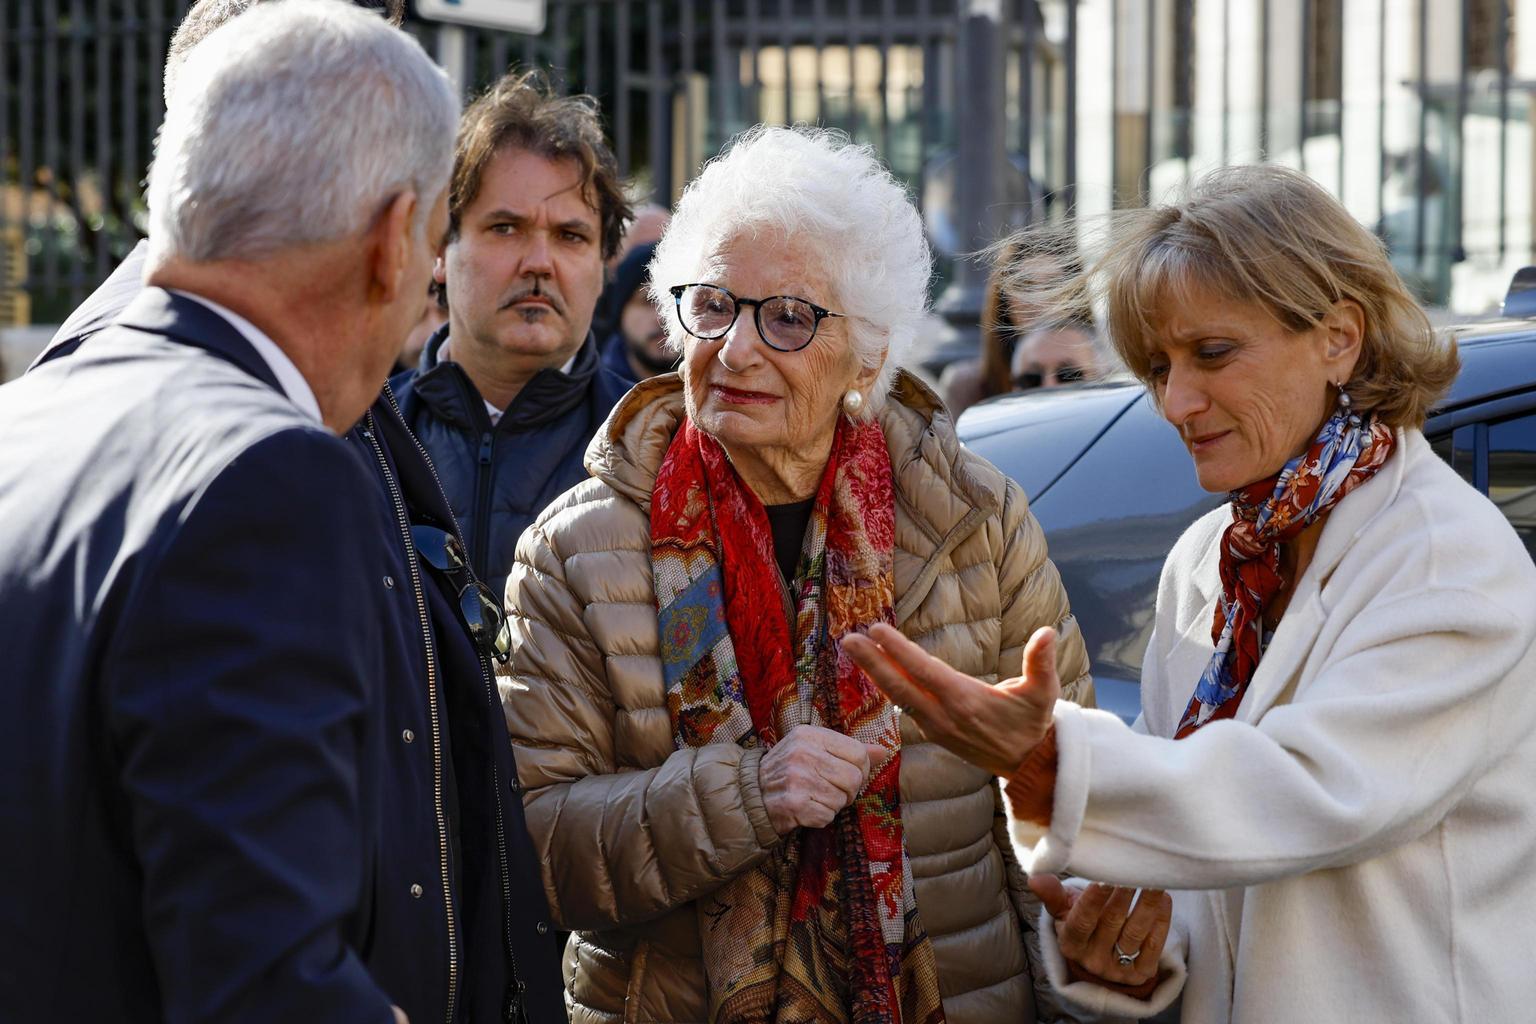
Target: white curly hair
814, 184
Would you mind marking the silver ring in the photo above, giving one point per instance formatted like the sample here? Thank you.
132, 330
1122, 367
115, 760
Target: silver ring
1123, 958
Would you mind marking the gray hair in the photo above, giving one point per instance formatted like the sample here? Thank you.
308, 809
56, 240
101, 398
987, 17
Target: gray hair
296, 123
207, 15
810, 183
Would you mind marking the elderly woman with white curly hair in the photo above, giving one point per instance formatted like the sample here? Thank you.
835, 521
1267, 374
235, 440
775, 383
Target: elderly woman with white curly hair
735, 823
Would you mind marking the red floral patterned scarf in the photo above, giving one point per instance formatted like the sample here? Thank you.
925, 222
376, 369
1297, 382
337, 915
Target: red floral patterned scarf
1265, 515
826, 928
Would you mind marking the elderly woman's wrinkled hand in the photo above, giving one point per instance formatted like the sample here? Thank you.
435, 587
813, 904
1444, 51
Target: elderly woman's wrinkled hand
1103, 937
812, 773
994, 727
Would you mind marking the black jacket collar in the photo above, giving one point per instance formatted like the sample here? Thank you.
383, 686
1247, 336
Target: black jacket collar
184, 320
549, 394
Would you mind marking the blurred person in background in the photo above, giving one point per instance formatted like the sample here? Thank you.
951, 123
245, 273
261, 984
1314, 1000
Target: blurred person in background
1027, 269
734, 823
1053, 354
637, 347
649, 224
508, 393
646, 229
471, 940
434, 314
1333, 762
190, 601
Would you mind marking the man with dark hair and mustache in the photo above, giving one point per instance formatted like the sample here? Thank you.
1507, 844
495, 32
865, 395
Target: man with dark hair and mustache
508, 393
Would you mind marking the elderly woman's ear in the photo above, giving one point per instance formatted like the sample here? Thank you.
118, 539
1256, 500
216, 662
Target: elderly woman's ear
1345, 327
865, 379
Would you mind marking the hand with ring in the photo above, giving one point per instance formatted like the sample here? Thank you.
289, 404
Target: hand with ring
1107, 934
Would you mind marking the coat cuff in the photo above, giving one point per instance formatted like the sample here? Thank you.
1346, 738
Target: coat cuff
1048, 848
1032, 786
1106, 1002
752, 797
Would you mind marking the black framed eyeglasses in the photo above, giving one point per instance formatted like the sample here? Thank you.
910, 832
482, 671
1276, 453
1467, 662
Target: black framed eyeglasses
784, 322
487, 624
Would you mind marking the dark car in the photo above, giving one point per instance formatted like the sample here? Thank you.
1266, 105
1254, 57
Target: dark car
1113, 486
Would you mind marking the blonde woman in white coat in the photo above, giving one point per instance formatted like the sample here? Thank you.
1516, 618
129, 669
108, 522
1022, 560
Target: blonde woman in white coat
1335, 760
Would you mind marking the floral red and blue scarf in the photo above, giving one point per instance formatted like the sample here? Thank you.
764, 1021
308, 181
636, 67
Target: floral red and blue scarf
826, 928
1266, 514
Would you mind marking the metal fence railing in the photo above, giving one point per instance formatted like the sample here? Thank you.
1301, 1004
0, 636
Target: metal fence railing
1421, 117
80, 100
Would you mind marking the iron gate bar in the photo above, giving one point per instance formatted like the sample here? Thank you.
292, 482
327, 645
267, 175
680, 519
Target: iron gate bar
1115, 198
1183, 70
1381, 110
786, 42
819, 40
103, 151
1423, 155
1338, 70
660, 140
887, 43
717, 36
1148, 152
1503, 36
26, 106
51, 153
1264, 81
1070, 144
589, 19
754, 47
1226, 81
1027, 98
5, 112
621, 123
562, 32
530, 56
689, 69
930, 102
1303, 120
1457, 209
133, 169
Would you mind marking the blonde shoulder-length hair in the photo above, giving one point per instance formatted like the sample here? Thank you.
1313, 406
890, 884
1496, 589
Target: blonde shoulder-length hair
1273, 236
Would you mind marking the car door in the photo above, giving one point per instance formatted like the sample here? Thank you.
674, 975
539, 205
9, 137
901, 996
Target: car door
1493, 446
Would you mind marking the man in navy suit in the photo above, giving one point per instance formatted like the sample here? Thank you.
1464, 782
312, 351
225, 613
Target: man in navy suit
190, 612
459, 925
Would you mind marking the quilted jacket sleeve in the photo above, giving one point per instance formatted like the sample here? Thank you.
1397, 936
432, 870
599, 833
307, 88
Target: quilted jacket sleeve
618, 846
1033, 597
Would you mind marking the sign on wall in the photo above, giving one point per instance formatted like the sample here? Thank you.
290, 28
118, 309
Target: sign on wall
510, 15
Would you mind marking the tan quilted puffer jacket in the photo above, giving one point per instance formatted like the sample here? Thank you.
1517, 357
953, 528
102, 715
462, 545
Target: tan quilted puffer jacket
631, 830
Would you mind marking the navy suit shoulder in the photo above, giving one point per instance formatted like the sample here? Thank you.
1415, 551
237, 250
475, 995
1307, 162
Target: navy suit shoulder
187, 711
101, 307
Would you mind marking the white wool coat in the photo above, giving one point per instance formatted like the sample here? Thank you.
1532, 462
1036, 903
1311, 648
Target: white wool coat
1359, 844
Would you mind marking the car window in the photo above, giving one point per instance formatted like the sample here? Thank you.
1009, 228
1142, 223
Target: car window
1512, 474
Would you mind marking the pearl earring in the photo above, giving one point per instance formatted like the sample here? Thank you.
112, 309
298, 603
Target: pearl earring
853, 401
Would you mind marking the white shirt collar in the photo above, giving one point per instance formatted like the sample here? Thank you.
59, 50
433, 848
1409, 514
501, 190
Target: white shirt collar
288, 376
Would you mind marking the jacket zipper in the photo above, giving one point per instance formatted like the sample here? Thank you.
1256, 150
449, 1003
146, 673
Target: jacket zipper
437, 747
515, 1011
483, 505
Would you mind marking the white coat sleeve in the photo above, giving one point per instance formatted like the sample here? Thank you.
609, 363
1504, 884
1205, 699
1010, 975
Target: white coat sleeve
1413, 701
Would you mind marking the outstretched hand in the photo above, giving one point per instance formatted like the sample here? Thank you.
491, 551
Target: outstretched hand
993, 727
